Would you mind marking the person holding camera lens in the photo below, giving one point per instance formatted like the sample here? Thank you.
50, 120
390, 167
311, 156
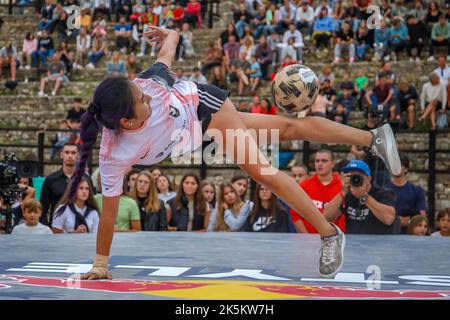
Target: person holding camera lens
368, 209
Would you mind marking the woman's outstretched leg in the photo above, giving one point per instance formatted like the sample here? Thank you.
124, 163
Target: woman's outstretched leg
235, 140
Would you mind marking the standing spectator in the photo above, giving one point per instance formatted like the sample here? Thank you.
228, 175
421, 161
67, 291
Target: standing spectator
45, 49
197, 76
116, 66
297, 42
381, 43
368, 209
432, 98
190, 211
418, 226
32, 212
152, 209
443, 218
407, 99
56, 73
255, 74
209, 192
267, 215
304, 18
56, 183
9, 58
122, 32
418, 34
345, 39
83, 47
440, 36
322, 187
231, 212
99, 48
79, 216
323, 28
264, 55
28, 47
193, 14
398, 38
164, 188
409, 199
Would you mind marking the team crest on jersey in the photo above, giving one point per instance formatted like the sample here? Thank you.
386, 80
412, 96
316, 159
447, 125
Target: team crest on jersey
174, 112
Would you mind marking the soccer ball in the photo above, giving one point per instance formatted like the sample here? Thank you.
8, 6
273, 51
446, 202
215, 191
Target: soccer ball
295, 88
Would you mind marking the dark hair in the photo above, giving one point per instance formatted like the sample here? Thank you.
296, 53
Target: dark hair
112, 100
415, 221
168, 180
238, 177
199, 199
404, 160
274, 205
340, 165
79, 100
29, 36
71, 144
443, 213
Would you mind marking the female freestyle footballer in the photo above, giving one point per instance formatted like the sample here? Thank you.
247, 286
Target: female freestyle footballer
140, 117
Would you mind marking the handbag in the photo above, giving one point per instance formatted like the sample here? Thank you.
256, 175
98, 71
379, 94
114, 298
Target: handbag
442, 120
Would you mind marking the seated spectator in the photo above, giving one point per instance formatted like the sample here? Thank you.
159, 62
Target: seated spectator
104, 7
122, 32
116, 66
137, 36
218, 78
259, 23
345, 39
273, 42
178, 14
83, 47
343, 106
165, 192
323, 28
267, 214
440, 37
123, 9
255, 74
189, 208
418, 226
299, 172
286, 15
152, 209
61, 27
28, 47
443, 219
241, 18
197, 76
418, 12
409, 199
79, 216
337, 13
231, 212
263, 107
209, 192
231, 51
133, 67
368, 209
46, 21
32, 212
264, 55
328, 91
99, 48
85, 19
346, 82
432, 98
187, 35
76, 111
327, 74
9, 58
380, 99
179, 75
44, 49
399, 9
323, 4
256, 106
322, 187
364, 40
433, 14
407, 99
99, 25
67, 56
352, 14
244, 107
381, 42
225, 35
361, 85
247, 46
304, 18
61, 138
418, 34
212, 57
398, 38
56, 73
296, 41
138, 9
128, 217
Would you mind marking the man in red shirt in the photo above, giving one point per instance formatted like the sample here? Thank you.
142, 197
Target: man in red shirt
322, 187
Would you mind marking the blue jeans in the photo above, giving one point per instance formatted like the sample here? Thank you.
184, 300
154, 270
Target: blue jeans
361, 50
94, 58
41, 56
240, 26
262, 29
46, 25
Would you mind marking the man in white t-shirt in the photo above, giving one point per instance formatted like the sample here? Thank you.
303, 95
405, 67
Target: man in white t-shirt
32, 211
443, 71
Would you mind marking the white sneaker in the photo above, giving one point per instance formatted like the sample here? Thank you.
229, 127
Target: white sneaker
41, 94
140, 55
21, 67
430, 59
90, 66
152, 54
180, 59
336, 60
26, 80
307, 38
27, 67
53, 93
75, 66
387, 58
417, 59
411, 59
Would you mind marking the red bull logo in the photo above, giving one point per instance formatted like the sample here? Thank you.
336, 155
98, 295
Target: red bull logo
219, 289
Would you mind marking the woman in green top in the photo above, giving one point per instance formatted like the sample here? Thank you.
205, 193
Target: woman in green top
128, 218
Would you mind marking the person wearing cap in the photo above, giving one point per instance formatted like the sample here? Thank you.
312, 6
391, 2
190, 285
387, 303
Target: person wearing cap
368, 209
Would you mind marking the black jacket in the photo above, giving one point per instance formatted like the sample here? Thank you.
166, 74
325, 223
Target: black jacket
418, 31
153, 221
180, 217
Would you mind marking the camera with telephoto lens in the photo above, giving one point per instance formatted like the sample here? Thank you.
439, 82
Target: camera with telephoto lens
356, 180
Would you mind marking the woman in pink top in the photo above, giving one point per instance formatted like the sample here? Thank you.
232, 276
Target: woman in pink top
29, 45
147, 119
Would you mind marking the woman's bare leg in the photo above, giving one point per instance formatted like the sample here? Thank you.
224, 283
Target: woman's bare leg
260, 170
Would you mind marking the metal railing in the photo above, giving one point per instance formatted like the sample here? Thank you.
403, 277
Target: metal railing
40, 146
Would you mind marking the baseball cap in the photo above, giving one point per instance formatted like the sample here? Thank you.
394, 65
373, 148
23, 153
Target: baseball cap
357, 165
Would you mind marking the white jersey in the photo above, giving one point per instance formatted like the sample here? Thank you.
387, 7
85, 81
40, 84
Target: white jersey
66, 221
172, 129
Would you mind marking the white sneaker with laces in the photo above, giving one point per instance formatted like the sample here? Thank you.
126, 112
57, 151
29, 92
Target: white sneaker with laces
332, 254
385, 147
41, 94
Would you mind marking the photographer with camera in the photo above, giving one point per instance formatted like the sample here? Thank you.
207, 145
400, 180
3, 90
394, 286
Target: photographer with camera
368, 209
380, 101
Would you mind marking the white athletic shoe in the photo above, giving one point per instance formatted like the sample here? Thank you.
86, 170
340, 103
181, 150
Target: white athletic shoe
140, 55
53, 93
385, 147
90, 66
430, 59
41, 94
152, 54
27, 67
